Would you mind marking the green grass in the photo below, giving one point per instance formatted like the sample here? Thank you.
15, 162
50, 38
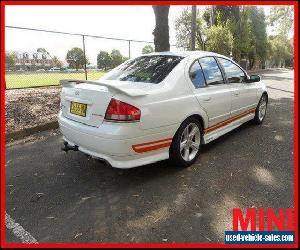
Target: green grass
26, 80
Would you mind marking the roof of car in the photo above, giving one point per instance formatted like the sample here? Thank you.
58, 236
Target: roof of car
185, 53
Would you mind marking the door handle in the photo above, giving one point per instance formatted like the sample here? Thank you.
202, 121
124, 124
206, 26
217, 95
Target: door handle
236, 93
207, 99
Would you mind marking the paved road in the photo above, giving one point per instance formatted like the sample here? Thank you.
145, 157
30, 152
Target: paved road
68, 198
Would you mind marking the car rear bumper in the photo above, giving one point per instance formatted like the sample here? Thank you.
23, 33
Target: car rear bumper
119, 153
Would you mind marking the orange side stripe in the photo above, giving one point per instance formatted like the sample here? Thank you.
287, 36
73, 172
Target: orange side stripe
224, 123
151, 148
154, 145
152, 142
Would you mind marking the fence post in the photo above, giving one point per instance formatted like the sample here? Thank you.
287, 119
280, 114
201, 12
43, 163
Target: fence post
83, 43
129, 48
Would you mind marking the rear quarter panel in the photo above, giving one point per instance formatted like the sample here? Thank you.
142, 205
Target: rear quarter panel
168, 103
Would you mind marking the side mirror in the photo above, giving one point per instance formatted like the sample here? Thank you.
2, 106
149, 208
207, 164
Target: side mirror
253, 78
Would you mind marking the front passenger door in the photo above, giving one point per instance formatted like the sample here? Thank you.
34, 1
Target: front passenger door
243, 94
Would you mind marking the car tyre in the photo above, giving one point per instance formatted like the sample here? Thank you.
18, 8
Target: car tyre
261, 110
186, 144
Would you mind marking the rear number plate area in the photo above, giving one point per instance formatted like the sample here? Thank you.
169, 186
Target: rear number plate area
77, 108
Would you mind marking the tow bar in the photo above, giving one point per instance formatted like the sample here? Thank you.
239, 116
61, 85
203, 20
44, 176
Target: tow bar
67, 147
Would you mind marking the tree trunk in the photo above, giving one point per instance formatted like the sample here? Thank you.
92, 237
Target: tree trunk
193, 33
161, 31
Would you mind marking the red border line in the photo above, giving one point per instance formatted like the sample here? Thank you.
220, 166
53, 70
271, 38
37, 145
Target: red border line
150, 245
249, 3
2, 126
296, 125
139, 245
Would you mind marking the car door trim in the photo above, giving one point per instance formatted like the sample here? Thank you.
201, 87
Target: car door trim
230, 120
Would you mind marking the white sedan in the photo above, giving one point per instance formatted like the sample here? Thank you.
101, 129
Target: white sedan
159, 106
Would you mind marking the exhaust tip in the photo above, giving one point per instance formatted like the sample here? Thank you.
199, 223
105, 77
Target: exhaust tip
67, 147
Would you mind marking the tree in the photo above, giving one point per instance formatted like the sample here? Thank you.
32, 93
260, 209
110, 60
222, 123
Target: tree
248, 27
282, 19
245, 48
220, 39
193, 27
240, 30
104, 60
75, 58
147, 49
56, 62
183, 26
280, 51
161, 31
258, 27
116, 58
10, 60
43, 50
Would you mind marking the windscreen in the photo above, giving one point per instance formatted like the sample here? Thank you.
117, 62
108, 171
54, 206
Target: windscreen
151, 69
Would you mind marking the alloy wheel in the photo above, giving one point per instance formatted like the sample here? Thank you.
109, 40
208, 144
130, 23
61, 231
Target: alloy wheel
190, 142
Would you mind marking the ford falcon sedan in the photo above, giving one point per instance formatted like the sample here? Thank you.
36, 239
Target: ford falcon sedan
159, 106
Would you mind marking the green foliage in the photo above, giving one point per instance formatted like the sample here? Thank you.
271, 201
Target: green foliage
10, 60
42, 50
225, 13
116, 58
147, 49
220, 39
103, 60
259, 39
282, 19
108, 61
280, 51
75, 58
183, 26
56, 62
280, 47
236, 30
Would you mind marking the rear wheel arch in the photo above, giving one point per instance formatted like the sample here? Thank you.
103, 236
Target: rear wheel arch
175, 150
266, 94
199, 118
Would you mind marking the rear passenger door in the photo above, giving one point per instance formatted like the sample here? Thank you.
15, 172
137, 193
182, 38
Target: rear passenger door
210, 89
243, 93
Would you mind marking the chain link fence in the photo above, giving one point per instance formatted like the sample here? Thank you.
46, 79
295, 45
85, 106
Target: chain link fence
38, 58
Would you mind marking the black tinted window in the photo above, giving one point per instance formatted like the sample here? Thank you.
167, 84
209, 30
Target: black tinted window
232, 71
211, 70
151, 69
196, 75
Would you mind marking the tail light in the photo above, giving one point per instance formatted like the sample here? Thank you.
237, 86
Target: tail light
122, 112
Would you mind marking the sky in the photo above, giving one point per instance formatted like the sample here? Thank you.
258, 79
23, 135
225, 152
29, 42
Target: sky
128, 22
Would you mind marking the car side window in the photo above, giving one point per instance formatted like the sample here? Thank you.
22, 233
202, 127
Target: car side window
234, 73
196, 75
211, 70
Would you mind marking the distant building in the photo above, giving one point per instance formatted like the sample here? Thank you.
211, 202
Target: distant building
30, 61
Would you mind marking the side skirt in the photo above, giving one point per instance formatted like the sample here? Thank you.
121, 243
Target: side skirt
212, 135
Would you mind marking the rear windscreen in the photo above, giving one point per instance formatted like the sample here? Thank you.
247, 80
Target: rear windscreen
152, 69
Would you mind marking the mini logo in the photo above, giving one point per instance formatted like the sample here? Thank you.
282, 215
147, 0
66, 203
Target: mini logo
76, 92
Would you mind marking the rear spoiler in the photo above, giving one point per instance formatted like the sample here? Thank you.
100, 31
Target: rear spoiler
122, 89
